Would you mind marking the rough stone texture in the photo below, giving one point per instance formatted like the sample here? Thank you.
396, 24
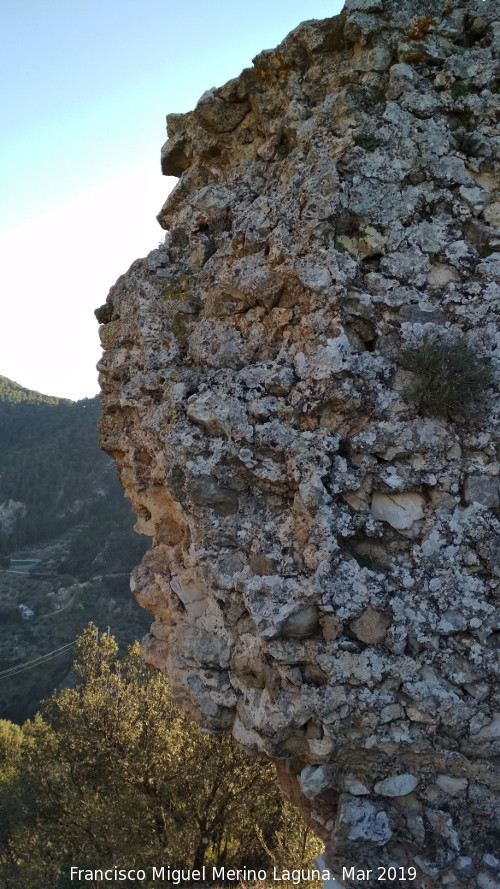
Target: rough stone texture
324, 572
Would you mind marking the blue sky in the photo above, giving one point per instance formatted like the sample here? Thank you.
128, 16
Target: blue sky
85, 88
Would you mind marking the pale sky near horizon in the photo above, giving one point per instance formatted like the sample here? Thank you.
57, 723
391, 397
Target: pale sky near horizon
85, 89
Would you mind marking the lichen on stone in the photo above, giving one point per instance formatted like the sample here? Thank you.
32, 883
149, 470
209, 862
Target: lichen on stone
324, 572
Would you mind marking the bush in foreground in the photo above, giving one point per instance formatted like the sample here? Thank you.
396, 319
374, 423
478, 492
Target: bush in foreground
110, 774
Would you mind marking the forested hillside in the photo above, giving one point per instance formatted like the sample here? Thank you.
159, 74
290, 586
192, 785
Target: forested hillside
60, 504
51, 467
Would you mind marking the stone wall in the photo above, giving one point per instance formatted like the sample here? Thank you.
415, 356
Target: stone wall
324, 570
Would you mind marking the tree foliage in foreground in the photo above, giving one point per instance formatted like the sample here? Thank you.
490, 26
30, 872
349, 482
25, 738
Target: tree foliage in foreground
110, 774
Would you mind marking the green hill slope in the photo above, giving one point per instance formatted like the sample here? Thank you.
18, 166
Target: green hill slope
61, 504
50, 465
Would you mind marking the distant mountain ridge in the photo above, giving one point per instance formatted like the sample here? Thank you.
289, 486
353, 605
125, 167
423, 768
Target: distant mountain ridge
14, 393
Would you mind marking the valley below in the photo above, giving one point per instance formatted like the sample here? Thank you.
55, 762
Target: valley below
67, 545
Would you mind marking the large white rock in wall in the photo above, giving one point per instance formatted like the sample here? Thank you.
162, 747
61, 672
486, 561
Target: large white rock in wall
325, 559
399, 510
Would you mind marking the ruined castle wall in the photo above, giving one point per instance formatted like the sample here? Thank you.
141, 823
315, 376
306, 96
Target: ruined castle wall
324, 568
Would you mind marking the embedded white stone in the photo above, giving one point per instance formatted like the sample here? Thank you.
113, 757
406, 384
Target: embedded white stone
400, 785
451, 786
398, 510
314, 779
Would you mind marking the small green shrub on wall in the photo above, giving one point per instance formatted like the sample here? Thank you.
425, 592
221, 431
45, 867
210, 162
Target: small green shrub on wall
468, 143
458, 90
452, 378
